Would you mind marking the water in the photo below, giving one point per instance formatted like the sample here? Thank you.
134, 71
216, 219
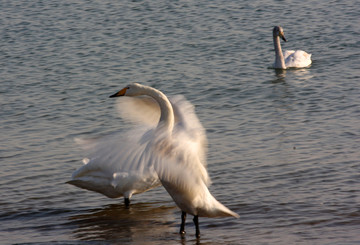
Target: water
283, 146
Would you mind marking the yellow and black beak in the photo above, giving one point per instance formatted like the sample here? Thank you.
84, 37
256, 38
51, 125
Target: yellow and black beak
282, 36
120, 93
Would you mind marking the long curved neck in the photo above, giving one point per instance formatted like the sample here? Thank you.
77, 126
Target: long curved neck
279, 57
166, 111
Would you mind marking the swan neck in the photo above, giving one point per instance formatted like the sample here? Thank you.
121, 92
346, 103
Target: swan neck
279, 57
166, 111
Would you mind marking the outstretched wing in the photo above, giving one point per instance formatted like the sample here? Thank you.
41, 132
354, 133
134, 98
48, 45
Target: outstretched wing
188, 127
182, 164
117, 165
142, 110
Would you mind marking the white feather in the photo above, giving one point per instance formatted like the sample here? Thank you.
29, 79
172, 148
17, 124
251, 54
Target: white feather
297, 59
116, 165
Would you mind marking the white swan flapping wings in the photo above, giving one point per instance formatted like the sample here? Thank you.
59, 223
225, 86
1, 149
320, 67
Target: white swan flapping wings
122, 164
290, 58
172, 144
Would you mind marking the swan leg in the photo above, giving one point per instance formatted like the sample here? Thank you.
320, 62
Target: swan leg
196, 222
127, 202
182, 226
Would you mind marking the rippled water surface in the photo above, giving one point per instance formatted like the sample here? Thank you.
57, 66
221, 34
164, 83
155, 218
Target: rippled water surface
283, 146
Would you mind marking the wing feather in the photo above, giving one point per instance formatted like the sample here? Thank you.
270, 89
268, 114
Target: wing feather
142, 110
297, 58
145, 110
116, 164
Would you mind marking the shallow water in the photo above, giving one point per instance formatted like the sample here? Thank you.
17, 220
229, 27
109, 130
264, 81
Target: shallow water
283, 146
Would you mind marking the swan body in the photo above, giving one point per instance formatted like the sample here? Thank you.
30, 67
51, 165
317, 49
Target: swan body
290, 58
175, 148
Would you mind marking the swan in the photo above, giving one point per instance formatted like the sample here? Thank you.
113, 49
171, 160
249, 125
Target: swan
175, 148
290, 58
116, 165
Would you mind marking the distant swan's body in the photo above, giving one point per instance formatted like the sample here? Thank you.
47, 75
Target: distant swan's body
174, 147
290, 58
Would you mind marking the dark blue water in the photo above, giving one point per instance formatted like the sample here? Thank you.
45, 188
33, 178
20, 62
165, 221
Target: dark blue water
283, 146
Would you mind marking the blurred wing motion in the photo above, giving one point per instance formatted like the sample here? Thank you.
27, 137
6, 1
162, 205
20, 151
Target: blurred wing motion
116, 165
122, 164
188, 130
139, 110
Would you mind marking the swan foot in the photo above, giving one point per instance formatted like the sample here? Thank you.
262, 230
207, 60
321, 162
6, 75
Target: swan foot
182, 226
196, 222
127, 202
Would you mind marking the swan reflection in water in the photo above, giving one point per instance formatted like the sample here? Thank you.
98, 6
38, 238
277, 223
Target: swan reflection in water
295, 76
280, 76
115, 223
142, 223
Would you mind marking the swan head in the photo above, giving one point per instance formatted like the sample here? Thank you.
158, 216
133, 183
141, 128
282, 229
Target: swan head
279, 32
133, 89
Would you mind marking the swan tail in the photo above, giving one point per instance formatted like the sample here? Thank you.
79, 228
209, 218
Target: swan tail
218, 213
215, 209
223, 211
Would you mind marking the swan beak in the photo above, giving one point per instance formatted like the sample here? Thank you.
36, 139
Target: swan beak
120, 93
283, 37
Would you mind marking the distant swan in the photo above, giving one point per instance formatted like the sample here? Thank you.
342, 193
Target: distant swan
291, 58
175, 148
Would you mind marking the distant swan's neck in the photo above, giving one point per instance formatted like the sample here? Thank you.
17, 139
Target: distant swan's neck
167, 114
279, 57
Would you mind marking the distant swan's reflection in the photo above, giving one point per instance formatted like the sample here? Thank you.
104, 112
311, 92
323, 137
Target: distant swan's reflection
296, 75
280, 76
